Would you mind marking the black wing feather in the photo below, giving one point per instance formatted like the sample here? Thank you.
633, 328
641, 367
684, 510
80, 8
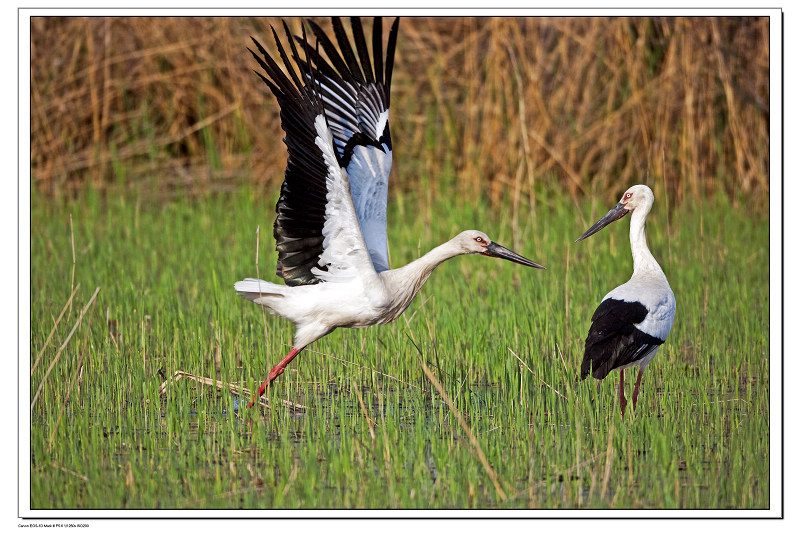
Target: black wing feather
330, 49
613, 340
298, 236
361, 48
353, 66
390, 47
377, 52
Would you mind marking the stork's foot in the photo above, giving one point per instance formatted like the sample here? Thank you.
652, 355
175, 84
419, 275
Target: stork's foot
275, 373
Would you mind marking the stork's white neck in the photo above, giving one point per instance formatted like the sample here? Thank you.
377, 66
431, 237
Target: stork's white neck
643, 260
420, 269
404, 283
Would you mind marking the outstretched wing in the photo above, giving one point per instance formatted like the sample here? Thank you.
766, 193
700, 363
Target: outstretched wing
355, 95
318, 230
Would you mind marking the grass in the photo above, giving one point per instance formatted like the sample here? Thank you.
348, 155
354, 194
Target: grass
376, 432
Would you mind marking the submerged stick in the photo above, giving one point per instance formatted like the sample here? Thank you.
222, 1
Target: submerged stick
233, 388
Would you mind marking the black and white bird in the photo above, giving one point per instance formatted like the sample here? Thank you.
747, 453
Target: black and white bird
634, 319
331, 214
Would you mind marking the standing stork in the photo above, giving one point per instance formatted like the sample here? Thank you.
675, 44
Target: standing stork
331, 214
634, 319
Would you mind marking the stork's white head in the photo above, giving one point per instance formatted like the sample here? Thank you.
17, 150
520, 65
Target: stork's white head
638, 197
475, 242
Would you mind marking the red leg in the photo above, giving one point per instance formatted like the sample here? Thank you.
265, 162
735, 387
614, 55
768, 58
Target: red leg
622, 400
636, 388
275, 373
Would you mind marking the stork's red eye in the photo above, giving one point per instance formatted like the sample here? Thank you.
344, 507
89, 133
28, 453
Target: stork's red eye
628, 195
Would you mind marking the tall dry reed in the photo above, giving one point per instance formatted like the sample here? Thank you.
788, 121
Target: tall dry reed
499, 105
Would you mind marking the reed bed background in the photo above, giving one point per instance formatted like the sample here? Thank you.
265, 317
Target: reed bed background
501, 105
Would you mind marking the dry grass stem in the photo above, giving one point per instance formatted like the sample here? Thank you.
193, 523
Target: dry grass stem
258, 275
62, 347
292, 477
465, 427
534, 374
70, 472
72, 243
609, 459
370, 369
364, 411
567, 475
53, 330
76, 375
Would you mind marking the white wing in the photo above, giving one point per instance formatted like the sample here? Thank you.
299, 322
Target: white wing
344, 254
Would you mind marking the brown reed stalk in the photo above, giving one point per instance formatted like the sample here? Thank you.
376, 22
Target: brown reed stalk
500, 104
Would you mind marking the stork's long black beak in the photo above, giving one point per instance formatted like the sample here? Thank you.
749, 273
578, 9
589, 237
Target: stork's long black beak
497, 251
614, 214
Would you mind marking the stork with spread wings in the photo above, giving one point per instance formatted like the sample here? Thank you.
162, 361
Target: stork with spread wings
331, 225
